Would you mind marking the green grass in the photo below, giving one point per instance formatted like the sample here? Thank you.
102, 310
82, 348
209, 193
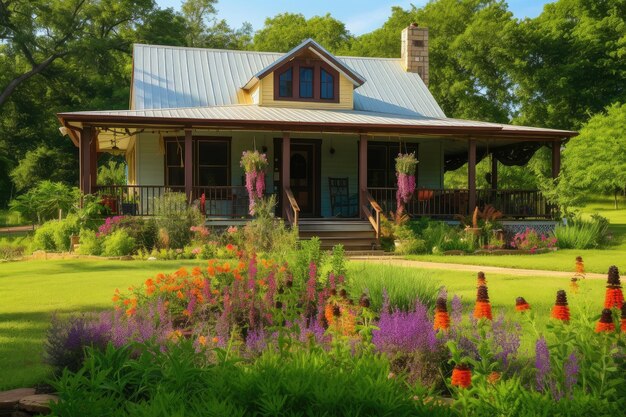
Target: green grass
33, 290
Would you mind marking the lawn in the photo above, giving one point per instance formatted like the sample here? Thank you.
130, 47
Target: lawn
34, 290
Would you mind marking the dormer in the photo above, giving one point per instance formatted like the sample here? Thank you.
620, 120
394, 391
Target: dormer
308, 76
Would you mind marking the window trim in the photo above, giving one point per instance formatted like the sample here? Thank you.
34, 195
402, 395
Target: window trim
317, 65
332, 76
313, 81
291, 81
195, 157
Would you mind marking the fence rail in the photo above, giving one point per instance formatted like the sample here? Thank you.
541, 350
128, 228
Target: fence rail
448, 203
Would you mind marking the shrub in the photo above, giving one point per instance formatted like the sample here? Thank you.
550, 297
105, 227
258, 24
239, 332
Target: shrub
44, 201
174, 219
440, 237
90, 244
13, 248
582, 234
118, 243
266, 233
54, 235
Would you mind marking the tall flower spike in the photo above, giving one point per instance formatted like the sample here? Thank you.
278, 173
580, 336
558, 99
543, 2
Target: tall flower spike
580, 266
605, 324
521, 304
560, 311
461, 376
442, 319
614, 297
481, 280
483, 306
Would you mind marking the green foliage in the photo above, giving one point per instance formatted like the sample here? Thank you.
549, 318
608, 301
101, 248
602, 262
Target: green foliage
268, 234
440, 237
403, 285
174, 219
13, 248
285, 31
112, 173
89, 243
145, 381
118, 243
44, 201
595, 161
581, 233
44, 163
54, 235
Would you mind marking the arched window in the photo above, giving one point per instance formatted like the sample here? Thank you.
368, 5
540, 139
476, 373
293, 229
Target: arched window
327, 85
285, 84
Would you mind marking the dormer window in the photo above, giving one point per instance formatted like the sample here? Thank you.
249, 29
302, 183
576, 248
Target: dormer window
306, 80
285, 84
327, 85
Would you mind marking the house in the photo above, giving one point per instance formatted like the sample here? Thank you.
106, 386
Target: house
331, 127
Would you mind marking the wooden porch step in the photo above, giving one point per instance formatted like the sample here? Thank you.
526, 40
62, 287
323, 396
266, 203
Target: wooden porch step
353, 234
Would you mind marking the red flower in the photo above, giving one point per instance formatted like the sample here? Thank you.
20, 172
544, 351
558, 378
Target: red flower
613, 298
483, 310
461, 376
442, 320
605, 327
560, 313
230, 247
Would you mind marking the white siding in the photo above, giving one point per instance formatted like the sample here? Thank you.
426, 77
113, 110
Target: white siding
149, 160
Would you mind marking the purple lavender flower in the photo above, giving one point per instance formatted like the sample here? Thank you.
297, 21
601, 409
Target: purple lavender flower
407, 331
542, 364
256, 340
456, 310
507, 339
570, 368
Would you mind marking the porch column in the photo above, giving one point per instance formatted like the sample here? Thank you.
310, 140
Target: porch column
188, 165
556, 158
494, 172
285, 171
93, 163
85, 147
362, 173
471, 175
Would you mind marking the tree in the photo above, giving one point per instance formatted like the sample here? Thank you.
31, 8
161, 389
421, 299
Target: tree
36, 33
595, 161
44, 163
205, 31
285, 31
571, 62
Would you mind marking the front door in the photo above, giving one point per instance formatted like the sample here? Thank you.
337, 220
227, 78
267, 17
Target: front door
304, 180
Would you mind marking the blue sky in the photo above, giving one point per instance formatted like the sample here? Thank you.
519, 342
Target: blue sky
359, 16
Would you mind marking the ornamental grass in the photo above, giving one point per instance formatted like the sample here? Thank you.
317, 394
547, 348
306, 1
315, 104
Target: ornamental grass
483, 306
442, 318
521, 304
614, 298
461, 376
560, 311
605, 324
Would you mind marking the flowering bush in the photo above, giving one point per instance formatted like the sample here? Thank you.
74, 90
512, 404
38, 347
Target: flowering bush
530, 240
254, 165
405, 172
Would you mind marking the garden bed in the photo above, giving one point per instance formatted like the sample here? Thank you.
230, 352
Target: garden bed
499, 252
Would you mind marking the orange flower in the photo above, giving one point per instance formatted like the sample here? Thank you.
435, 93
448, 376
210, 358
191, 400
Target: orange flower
493, 377
230, 247
461, 376
196, 271
180, 295
442, 320
115, 298
261, 283
613, 298
623, 326
580, 265
131, 311
211, 271
605, 327
186, 313
521, 304
483, 310
573, 285
160, 277
560, 313
202, 340
215, 340
328, 314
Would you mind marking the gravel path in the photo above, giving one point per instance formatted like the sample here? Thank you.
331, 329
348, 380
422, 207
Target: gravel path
471, 268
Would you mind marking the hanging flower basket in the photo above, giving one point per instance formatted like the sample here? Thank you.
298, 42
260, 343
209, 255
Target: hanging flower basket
254, 164
405, 172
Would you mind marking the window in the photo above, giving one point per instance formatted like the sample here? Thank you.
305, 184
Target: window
381, 162
212, 166
175, 162
306, 82
327, 85
285, 83
211, 162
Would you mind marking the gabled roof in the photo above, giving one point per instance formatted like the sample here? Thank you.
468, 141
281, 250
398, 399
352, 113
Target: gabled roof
171, 77
317, 49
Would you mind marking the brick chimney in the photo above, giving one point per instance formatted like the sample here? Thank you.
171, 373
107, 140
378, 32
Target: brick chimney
415, 51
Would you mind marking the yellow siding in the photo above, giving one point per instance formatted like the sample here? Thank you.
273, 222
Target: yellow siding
266, 98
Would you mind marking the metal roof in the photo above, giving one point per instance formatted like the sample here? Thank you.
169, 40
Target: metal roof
166, 77
320, 119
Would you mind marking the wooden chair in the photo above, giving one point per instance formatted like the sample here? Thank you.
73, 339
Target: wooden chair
342, 203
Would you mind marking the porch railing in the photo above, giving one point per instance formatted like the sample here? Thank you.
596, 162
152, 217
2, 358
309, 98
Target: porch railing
371, 211
293, 210
139, 200
440, 203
